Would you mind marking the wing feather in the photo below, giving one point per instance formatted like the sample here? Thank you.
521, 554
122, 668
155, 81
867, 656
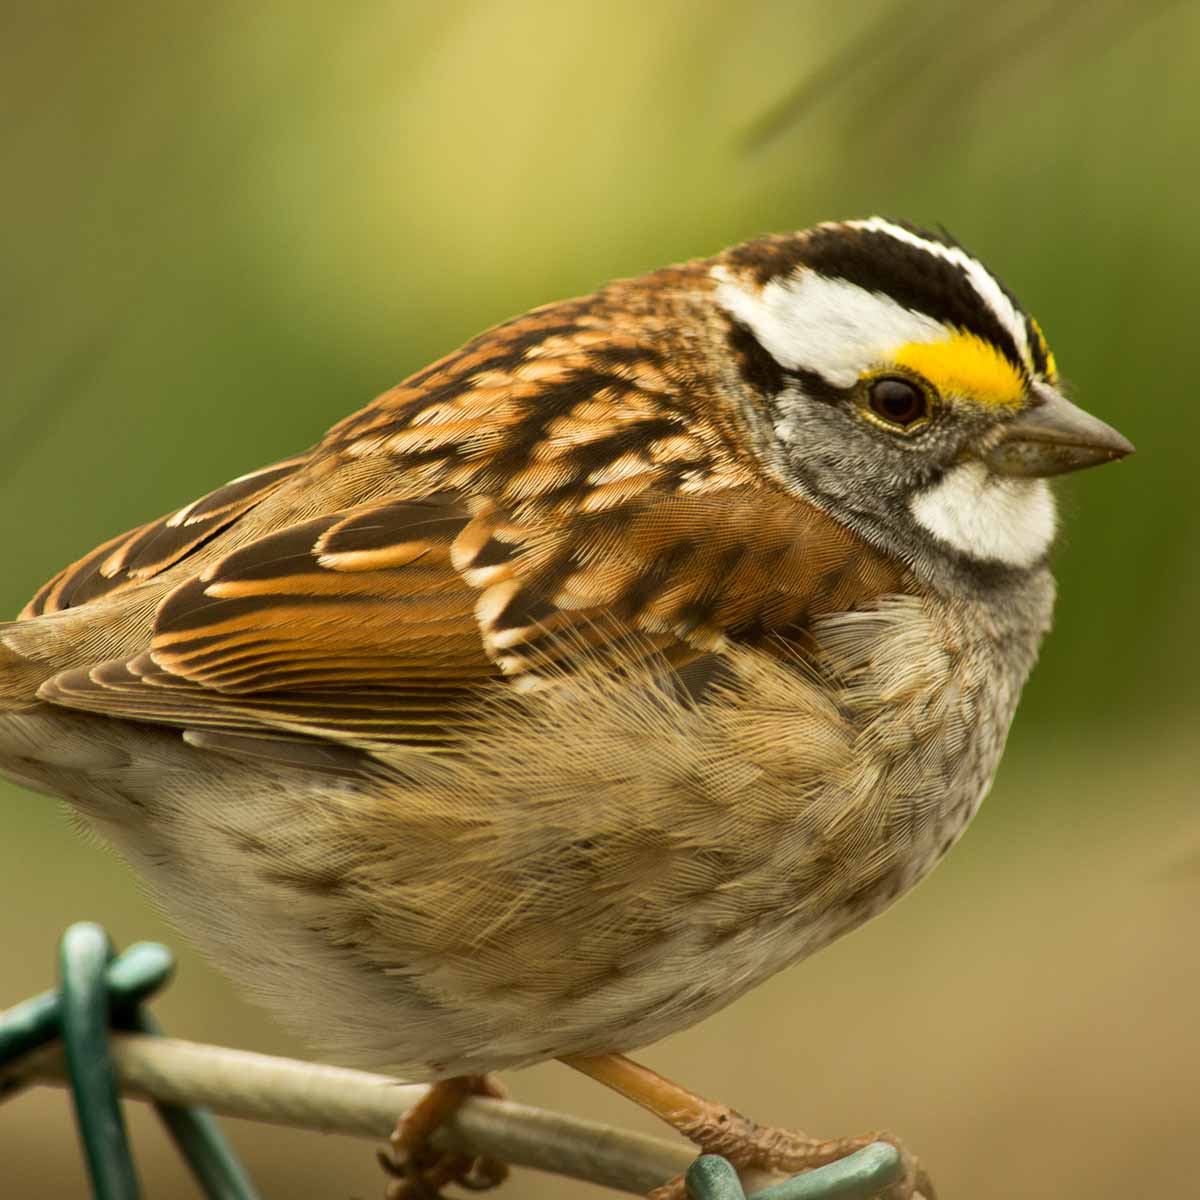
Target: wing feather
150, 549
359, 627
570, 492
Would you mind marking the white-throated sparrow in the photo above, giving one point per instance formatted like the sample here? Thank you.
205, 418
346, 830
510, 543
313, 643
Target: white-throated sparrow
626, 655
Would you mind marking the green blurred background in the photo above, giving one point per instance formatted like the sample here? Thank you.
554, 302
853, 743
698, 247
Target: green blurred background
227, 225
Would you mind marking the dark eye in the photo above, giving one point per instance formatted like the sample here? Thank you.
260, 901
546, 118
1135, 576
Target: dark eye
898, 402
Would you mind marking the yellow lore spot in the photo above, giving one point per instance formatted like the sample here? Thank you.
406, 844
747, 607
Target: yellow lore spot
965, 365
1051, 365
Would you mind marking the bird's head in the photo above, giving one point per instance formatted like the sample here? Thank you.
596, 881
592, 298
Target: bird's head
901, 386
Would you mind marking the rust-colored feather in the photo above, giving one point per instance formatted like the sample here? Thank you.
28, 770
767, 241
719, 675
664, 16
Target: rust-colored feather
568, 492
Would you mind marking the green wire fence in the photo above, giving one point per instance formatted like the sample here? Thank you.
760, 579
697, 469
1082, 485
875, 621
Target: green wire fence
93, 1034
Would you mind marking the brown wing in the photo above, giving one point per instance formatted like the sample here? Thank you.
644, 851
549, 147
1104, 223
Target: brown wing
353, 627
675, 576
150, 549
571, 491
384, 624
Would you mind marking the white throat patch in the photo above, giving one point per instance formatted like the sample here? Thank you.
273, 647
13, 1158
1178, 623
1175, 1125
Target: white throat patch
989, 517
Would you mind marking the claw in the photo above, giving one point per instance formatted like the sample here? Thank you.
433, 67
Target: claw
419, 1170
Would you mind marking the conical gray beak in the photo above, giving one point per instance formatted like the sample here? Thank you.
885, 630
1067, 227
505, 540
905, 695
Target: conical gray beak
1052, 438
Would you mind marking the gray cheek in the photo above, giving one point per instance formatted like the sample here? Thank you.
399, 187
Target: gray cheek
836, 453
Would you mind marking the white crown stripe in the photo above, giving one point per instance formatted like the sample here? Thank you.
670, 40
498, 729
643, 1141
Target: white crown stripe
989, 291
830, 326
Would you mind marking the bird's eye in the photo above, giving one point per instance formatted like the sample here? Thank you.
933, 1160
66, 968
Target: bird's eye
898, 402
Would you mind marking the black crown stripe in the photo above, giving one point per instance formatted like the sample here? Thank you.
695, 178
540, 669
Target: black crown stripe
876, 261
915, 278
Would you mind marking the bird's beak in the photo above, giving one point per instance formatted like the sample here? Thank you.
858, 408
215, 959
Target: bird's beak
1054, 437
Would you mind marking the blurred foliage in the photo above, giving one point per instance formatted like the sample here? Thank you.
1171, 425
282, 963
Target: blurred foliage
227, 225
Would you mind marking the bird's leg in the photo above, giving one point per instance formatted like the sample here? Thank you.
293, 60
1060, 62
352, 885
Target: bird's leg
420, 1170
717, 1129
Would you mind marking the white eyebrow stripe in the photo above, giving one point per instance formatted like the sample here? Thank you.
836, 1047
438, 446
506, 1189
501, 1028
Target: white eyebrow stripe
830, 326
988, 289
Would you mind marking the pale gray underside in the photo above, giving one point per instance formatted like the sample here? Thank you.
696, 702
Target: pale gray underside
600, 870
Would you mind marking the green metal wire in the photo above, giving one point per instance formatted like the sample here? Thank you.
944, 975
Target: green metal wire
83, 953
712, 1177
130, 978
28, 1025
858, 1176
100, 991
198, 1138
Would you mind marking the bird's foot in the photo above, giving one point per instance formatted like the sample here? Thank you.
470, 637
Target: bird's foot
717, 1129
753, 1147
420, 1170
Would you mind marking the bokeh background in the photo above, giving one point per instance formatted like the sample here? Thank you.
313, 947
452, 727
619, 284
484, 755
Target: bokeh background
226, 225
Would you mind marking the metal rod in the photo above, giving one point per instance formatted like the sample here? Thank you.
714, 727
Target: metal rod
84, 952
240, 1083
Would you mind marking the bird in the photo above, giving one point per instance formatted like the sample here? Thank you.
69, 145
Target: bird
623, 657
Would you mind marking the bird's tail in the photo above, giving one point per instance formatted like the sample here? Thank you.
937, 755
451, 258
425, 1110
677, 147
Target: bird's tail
20, 677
